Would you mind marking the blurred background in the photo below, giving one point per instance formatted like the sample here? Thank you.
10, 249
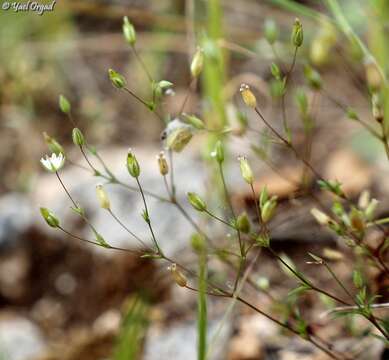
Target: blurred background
62, 300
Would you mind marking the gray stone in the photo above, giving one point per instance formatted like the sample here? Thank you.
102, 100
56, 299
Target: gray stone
20, 339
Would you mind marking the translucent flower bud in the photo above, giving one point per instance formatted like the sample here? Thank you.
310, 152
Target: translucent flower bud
248, 96
218, 153
245, 170
49, 217
64, 104
271, 31
194, 121
78, 137
197, 202
267, 210
53, 145
364, 199
103, 197
162, 163
373, 75
297, 33
132, 164
331, 254
197, 63
129, 31
117, 79
320, 217
178, 277
243, 223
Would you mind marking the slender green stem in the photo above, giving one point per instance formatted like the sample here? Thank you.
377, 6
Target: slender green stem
142, 64
66, 190
147, 217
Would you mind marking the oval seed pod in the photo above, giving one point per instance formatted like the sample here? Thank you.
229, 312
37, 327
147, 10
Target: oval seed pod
248, 96
197, 63
245, 169
162, 163
102, 196
178, 135
178, 277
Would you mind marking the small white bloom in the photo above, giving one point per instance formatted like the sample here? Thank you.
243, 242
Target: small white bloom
54, 162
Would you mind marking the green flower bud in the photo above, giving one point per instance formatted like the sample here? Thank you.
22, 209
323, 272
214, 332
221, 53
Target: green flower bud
371, 208
49, 217
357, 279
117, 79
164, 84
243, 223
197, 202
132, 164
263, 197
53, 145
194, 121
263, 240
267, 211
245, 170
352, 114
218, 153
129, 31
271, 31
313, 78
275, 71
297, 33
78, 137
64, 104
197, 63
198, 242
373, 75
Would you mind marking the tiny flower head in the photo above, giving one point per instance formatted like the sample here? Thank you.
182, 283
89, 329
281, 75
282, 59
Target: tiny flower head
103, 197
54, 162
297, 33
248, 96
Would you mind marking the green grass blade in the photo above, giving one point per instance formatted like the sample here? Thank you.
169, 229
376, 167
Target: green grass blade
202, 309
132, 332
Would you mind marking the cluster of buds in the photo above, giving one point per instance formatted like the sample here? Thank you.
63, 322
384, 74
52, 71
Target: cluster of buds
197, 63
162, 164
245, 170
178, 277
247, 95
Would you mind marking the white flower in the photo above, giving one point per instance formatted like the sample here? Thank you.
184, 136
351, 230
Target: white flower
54, 162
